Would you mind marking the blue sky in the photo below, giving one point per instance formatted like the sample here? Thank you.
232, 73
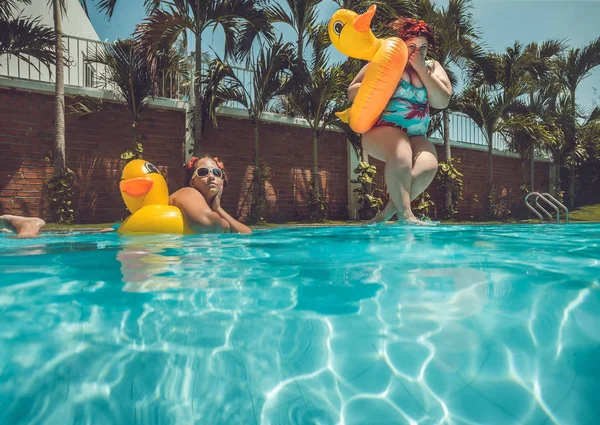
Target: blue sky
500, 21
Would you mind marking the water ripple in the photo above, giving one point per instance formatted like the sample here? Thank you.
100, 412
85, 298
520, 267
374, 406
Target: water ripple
385, 325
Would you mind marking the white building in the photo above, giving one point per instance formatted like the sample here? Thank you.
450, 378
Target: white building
80, 39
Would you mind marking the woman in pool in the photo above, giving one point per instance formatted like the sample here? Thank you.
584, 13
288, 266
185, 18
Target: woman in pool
200, 203
399, 137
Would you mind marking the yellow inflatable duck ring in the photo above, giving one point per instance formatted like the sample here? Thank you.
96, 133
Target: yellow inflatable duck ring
351, 34
146, 195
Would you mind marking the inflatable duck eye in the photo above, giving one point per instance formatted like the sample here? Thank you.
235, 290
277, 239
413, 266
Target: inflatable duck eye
338, 26
151, 168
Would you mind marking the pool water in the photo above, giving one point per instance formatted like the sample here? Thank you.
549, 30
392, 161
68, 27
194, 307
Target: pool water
344, 325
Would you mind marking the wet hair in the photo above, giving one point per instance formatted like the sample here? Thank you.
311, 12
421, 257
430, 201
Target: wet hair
191, 166
408, 28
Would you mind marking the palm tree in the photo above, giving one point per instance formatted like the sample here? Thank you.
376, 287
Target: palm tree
129, 68
302, 17
271, 76
317, 97
570, 70
530, 67
554, 111
23, 37
242, 22
537, 67
496, 111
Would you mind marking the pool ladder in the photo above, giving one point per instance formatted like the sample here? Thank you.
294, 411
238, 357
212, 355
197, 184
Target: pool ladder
550, 200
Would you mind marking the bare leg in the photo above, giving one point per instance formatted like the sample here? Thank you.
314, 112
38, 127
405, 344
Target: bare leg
24, 227
393, 146
425, 166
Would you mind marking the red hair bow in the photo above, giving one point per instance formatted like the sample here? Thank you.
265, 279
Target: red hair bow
191, 162
219, 163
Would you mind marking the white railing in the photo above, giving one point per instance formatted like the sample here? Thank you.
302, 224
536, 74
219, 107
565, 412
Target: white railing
80, 72
463, 129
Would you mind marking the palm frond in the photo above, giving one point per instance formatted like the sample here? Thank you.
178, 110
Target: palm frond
26, 38
272, 74
243, 21
162, 27
8, 8
108, 6
126, 65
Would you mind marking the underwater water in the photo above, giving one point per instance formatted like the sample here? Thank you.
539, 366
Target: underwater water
333, 325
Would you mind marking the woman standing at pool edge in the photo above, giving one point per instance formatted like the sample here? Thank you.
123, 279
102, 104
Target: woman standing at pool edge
399, 137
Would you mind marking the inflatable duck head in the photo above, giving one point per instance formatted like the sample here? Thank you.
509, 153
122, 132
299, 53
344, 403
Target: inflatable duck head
351, 33
142, 184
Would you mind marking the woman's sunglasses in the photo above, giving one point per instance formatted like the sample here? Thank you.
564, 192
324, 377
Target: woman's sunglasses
203, 172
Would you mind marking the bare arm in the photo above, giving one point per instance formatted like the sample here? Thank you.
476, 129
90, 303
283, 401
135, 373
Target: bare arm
235, 226
355, 84
437, 83
197, 213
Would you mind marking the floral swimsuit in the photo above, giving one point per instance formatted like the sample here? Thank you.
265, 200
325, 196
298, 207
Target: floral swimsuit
407, 110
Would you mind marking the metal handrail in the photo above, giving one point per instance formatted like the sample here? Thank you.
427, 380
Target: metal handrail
553, 202
543, 198
533, 210
557, 202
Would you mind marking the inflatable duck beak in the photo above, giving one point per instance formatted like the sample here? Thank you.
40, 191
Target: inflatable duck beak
362, 23
136, 187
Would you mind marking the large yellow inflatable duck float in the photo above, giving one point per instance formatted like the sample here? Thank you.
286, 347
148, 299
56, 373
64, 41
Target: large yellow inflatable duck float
351, 34
146, 195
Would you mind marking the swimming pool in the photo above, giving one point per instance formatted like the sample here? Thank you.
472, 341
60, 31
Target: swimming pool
344, 325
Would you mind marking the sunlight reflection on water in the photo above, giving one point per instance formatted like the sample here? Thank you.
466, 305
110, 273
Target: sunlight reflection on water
385, 325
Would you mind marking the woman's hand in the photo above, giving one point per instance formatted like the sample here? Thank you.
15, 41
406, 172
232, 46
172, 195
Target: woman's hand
216, 202
417, 62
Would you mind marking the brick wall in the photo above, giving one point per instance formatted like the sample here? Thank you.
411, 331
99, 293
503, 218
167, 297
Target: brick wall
95, 142
287, 150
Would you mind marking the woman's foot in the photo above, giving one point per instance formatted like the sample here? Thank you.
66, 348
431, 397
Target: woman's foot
25, 227
412, 220
378, 219
383, 215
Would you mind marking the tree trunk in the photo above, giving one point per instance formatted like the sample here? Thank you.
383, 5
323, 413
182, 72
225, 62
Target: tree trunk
556, 183
136, 137
447, 150
571, 178
490, 159
524, 171
571, 186
300, 48
532, 170
315, 168
532, 155
198, 100
59, 103
256, 164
